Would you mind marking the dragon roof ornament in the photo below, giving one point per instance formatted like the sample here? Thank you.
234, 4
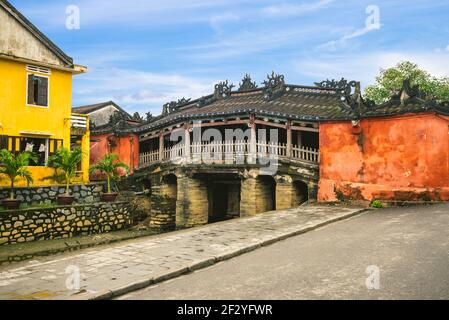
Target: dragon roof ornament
274, 86
223, 89
247, 84
173, 106
342, 86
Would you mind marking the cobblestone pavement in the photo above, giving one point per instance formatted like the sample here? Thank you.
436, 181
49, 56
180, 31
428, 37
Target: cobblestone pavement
116, 269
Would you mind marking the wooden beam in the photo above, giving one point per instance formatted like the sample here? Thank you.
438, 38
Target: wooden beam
305, 129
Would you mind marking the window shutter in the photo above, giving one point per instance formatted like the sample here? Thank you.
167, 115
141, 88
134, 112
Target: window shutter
42, 98
30, 89
3, 142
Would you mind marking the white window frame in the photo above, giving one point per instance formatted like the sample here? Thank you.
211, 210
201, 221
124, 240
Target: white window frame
42, 75
47, 149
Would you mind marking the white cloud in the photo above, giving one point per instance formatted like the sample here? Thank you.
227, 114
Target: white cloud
138, 90
372, 23
295, 9
365, 67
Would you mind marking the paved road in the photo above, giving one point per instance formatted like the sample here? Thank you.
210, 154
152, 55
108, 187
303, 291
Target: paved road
112, 269
410, 246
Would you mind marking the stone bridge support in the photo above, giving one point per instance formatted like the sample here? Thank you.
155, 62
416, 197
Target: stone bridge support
257, 194
290, 193
192, 206
163, 203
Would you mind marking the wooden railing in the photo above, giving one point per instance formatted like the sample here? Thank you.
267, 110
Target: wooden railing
228, 151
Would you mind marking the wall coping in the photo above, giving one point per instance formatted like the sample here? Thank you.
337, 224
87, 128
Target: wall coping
55, 185
52, 207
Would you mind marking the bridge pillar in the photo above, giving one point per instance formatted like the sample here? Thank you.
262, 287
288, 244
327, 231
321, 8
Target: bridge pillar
285, 193
192, 206
257, 194
290, 193
163, 205
248, 197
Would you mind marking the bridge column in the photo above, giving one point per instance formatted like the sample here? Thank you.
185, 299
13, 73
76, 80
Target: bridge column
187, 142
248, 200
253, 140
285, 193
192, 206
161, 145
288, 127
163, 205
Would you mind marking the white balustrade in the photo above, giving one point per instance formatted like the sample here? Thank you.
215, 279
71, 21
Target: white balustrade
228, 150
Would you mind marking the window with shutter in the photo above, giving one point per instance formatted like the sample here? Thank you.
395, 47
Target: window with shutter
3, 142
37, 90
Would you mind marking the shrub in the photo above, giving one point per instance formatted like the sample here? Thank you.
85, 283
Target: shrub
376, 204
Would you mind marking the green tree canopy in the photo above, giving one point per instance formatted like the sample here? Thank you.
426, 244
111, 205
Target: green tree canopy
66, 160
390, 80
109, 165
15, 166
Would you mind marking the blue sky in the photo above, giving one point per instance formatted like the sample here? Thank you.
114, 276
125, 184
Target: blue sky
142, 54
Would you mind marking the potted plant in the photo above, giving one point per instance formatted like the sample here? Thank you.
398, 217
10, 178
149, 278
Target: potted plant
67, 161
109, 165
15, 166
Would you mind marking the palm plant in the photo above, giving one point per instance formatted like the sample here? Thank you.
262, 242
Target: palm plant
67, 161
109, 165
15, 166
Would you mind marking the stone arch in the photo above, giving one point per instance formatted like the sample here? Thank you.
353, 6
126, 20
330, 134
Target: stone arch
169, 184
300, 192
265, 193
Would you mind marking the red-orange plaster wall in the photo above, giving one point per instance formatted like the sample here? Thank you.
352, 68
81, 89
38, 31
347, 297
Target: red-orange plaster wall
127, 148
395, 158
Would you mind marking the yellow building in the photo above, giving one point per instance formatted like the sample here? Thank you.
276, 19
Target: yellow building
36, 97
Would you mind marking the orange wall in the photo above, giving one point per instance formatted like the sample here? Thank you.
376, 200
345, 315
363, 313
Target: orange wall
127, 149
403, 158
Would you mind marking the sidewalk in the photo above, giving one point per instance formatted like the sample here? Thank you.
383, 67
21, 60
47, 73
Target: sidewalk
119, 268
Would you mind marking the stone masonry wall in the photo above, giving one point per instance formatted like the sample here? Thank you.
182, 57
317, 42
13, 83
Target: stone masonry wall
192, 207
87, 193
26, 225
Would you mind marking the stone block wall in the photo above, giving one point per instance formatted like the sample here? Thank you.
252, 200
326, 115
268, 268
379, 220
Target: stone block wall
163, 208
192, 206
265, 194
248, 200
17, 226
87, 193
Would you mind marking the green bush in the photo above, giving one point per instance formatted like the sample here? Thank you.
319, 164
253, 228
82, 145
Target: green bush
376, 204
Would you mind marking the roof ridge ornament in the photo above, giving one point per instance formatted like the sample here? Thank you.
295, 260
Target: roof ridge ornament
342, 86
173, 106
274, 86
247, 83
408, 91
223, 89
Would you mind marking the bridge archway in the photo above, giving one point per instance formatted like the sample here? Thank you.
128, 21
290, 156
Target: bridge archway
300, 192
265, 193
170, 186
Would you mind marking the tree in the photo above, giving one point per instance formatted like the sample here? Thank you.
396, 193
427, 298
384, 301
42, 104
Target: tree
390, 80
66, 161
109, 166
15, 166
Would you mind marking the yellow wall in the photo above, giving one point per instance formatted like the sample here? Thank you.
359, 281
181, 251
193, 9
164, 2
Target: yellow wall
16, 116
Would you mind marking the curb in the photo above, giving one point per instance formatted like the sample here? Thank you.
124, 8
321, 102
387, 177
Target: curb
119, 291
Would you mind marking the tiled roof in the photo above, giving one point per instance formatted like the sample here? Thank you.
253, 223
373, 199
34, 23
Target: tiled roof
313, 104
94, 107
297, 102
